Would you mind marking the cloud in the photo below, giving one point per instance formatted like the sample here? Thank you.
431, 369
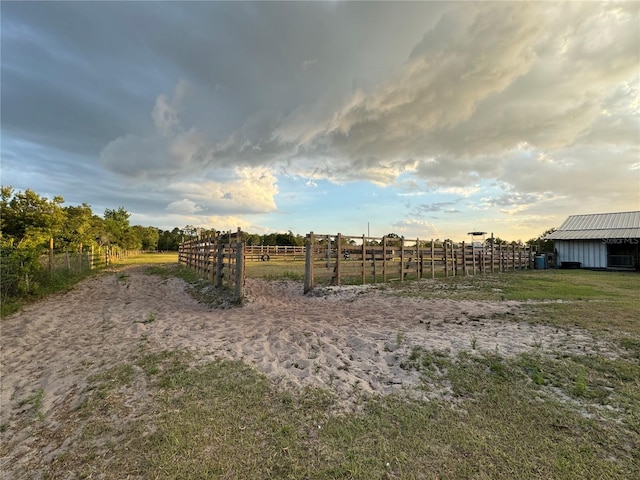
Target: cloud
184, 206
527, 108
237, 191
413, 228
435, 207
307, 64
483, 81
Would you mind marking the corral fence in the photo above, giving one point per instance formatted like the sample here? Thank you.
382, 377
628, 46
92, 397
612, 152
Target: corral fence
264, 253
24, 271
219, 258
83, 259
334, 259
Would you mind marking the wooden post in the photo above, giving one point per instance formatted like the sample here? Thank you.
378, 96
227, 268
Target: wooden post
338, 257
520, 257
219, 264
464, 259
514, 256
446, 261
51, 261
364, 260
80, 256
473, 257
492, 250
328, 251
418, 262
433, 266
239, 290
373, 258
454, 260
384, 259
402, 259
308, 264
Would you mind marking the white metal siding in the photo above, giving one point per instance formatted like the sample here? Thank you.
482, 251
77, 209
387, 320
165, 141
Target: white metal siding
591, 254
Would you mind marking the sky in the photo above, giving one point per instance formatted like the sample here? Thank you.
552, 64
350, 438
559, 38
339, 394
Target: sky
424, 119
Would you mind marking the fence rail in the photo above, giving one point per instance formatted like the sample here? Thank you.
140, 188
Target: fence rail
333, 259
264, 253
221, 263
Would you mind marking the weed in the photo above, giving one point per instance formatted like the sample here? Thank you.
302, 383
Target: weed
35, 400
580, 388
122, 278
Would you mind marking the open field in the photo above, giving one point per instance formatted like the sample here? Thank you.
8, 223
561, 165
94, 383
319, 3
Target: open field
519, 375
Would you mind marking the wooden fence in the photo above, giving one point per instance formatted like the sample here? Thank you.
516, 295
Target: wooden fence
219, 258
334, 259
265, 253
85, 258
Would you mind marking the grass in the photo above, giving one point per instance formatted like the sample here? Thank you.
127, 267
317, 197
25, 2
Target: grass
276, 270
222, 419
606, 302
35, 402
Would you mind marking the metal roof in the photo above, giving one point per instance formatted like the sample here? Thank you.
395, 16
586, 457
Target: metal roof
599, 226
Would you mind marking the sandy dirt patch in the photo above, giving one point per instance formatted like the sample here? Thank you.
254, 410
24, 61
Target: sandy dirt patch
346, 339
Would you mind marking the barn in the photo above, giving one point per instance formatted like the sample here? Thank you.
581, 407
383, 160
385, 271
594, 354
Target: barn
602, 240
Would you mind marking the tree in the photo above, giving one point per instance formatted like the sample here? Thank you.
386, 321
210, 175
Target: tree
393, 239
169, 240
148, 237
29, 220
541, 243
78, 228
117, 225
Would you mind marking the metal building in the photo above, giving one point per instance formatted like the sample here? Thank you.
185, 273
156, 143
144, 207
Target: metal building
601, 240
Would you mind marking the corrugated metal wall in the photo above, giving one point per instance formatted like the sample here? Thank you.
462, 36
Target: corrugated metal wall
590, 253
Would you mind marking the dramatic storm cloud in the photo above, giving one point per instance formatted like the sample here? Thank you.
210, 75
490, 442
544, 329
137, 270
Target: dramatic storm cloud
426, 119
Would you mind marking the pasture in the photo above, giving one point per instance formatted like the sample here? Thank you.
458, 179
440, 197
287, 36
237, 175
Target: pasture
532, 374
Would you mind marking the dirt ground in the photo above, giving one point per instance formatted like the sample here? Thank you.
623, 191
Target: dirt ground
344, 339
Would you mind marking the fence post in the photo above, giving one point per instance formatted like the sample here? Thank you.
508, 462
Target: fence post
364, 259
239, 291
446, 261
338, 255
402, 259
493, 245
219, 264
473, 258
418, 260
464, 259
384, 259
373, 259
433, 266
50, 255
308, 264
